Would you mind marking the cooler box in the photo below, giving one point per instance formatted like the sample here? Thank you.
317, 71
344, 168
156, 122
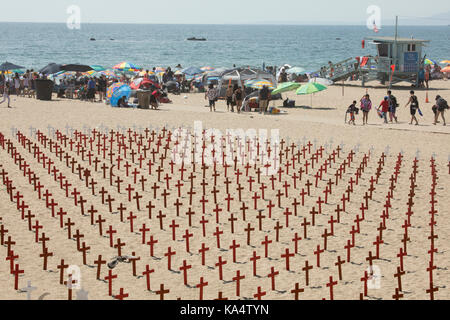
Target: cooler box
143, 99
44, 89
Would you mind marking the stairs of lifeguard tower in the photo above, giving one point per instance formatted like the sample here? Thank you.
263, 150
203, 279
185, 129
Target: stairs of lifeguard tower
340, 70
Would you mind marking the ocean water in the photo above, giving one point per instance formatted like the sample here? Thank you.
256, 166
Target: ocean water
37, 44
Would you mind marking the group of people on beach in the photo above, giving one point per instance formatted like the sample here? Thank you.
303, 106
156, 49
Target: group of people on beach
20, 85
388, 108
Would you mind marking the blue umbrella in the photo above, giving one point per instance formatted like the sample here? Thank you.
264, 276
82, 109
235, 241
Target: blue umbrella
123, 91
192, 71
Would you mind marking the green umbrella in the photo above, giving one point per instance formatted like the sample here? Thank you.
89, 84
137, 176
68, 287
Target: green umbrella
286, 86
311, 88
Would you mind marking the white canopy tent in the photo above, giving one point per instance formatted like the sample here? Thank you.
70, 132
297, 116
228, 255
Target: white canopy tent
240, 75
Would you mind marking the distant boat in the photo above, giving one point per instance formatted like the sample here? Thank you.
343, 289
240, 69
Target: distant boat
92, 39
196, 39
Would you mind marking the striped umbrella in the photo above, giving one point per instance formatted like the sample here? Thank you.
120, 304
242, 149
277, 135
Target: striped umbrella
259, 83
126, 66
446, 70
112, 88
207, 69
143, 73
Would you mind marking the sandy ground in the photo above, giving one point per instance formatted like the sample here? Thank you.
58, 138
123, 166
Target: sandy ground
322, 125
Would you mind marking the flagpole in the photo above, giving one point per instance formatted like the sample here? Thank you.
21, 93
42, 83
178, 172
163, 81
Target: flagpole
395, 51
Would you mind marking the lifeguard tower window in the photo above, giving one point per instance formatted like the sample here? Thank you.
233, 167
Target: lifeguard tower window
411, 48
383, 49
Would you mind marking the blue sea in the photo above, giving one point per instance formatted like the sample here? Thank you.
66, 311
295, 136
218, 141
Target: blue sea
34, 45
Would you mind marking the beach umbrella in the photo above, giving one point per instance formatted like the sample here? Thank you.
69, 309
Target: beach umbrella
141, 82
76, 67
259, 83
285, 87
178, 73
192, 71
311, 88
446, 70
98, 68
445, 62
7, 66
143, 73
51, 68
295, 70
207, 69
112, 88
430, 62
126, 66
122, 91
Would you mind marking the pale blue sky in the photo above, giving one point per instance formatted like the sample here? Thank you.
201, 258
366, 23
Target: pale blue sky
224, 11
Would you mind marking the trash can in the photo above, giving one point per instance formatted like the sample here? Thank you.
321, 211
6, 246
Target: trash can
143, 99
44, 89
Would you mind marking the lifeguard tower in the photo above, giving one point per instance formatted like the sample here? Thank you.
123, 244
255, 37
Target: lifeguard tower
403, 53
406, 54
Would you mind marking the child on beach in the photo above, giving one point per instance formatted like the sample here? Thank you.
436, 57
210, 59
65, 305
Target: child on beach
6, 94
366, 106
414, 106
392, 107
384, 106
352, 111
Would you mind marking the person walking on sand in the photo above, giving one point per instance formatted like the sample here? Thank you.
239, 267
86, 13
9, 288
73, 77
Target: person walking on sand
211, 94
414, 106
392, 107
366, 106
441, 105
352, 111
384, 106
263, 99
6, 94
238, 97
229, 96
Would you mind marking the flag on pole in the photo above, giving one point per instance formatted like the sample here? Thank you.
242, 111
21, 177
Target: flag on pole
375, 28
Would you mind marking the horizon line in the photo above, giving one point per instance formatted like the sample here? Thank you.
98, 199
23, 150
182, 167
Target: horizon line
234, 24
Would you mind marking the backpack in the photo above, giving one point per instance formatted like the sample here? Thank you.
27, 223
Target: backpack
394, 101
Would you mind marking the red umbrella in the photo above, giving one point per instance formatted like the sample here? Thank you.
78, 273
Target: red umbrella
143, 82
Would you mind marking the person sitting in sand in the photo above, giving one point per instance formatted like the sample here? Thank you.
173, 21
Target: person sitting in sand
414, 106
352, 111
122, 103
366, 106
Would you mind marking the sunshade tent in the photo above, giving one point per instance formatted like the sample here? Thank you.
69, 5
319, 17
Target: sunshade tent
295, 70
51, 68
310, 88
7, 66
76, 67
122, 91
240, 75
142, 82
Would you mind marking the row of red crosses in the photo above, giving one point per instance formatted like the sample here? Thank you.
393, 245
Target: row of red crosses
433, 236
6, 239
36, 226
84, 146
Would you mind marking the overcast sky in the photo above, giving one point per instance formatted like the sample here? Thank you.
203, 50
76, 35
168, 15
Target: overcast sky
220, 12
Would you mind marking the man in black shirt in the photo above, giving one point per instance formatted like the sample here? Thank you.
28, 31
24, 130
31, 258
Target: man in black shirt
263, 99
